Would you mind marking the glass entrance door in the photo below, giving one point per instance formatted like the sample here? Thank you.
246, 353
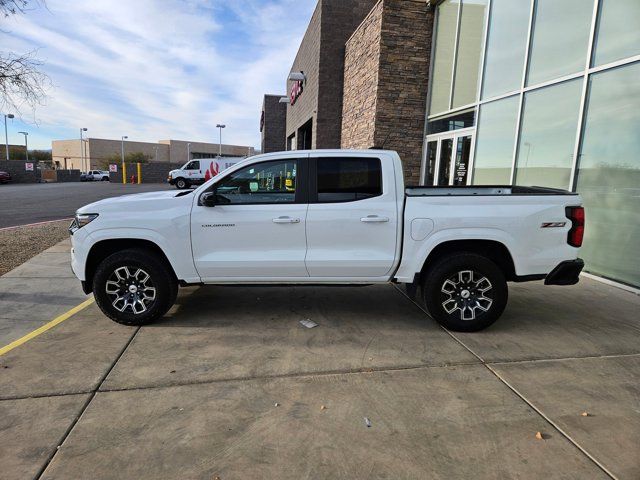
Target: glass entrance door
448, 158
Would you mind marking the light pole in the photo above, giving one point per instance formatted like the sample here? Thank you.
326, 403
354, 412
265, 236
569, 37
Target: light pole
26, 144
156, 147
122, 139
220, 126
188, 152
6, 135
83, 129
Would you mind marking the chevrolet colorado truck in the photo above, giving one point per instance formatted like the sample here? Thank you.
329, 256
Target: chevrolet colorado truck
327, 217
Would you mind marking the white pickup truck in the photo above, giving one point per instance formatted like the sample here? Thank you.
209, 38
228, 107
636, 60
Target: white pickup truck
327, 217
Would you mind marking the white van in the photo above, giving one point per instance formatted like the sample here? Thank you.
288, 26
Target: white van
195, 172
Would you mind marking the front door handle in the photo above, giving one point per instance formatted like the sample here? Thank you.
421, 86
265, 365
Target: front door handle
286, 220
374, 219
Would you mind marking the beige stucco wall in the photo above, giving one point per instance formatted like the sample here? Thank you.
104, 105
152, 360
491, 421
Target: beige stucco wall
167, 151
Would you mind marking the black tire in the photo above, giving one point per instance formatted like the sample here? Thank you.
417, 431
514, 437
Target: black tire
461, 301
161, 280
181, 183
105, 179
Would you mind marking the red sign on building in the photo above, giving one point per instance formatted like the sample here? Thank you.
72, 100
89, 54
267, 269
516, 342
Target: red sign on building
296, 90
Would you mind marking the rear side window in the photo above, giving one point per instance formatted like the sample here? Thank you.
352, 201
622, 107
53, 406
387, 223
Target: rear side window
348, 179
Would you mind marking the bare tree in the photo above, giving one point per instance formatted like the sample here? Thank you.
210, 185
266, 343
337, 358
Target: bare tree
21, 81
11, 7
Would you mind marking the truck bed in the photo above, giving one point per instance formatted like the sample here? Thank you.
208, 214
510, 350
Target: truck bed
485, 190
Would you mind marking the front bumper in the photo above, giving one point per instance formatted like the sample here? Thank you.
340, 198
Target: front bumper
566, 273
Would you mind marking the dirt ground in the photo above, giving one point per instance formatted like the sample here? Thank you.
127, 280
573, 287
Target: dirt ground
19, 244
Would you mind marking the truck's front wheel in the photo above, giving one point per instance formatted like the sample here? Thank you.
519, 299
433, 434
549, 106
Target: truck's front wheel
134, 287
465, 292
181, 183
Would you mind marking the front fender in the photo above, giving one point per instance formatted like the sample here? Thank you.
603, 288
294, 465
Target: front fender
177, 250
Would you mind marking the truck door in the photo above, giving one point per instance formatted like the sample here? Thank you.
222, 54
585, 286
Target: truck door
256, 230
192, 170
352, 219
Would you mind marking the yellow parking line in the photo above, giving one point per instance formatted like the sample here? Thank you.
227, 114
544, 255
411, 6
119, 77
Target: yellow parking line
46, 326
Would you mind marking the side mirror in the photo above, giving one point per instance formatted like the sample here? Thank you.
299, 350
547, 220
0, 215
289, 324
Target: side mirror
208, 199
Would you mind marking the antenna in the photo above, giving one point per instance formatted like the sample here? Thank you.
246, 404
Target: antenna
375, 147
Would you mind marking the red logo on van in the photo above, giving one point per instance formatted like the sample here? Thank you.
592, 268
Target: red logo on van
212, 171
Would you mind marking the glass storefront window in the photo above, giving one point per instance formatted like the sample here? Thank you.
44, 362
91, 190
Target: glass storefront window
618, 34
609, 174
470, 38
430, 165
444, 53
548, 134
454, 122
494, 146
506, 46
560, 39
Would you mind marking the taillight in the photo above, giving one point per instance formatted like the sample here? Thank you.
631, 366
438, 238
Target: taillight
576, 234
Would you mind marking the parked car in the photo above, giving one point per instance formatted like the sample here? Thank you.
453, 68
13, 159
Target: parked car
199, 171
328, 217
96, 176
5, 177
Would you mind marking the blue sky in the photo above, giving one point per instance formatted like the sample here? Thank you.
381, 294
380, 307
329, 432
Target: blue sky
156, 69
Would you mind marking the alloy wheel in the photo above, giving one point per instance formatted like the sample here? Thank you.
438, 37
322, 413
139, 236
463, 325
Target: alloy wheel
467, 292
130, 289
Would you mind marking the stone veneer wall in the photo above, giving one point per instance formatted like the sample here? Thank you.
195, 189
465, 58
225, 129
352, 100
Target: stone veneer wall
361, 66
321, 58
388, 109
275, 123
340, 18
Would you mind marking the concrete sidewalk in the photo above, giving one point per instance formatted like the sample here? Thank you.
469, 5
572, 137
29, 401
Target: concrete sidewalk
229, 384
37, 291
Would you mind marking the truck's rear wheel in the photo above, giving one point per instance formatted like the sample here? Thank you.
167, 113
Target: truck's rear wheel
134, 287
181, 183
465, 292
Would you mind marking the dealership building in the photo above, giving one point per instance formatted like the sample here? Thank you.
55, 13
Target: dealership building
482, 92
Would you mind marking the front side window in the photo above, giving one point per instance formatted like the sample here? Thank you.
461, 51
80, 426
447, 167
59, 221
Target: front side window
194, 165
348, 179
267, 182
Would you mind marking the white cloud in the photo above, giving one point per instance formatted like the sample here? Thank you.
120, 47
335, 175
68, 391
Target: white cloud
155, 69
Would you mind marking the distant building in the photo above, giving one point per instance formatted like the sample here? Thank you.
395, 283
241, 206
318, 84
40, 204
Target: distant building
67, 155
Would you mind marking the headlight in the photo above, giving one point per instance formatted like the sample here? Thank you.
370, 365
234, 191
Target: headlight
80, 220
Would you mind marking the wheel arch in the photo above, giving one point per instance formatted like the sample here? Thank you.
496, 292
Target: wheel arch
102, 249
494, 250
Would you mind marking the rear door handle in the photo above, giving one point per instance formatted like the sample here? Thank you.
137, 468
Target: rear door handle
374, 219
286, 220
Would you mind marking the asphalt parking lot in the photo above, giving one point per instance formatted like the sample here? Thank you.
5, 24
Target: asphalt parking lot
230, 385
38, 202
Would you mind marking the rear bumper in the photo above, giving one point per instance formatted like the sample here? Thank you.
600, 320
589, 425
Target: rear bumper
566, 273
